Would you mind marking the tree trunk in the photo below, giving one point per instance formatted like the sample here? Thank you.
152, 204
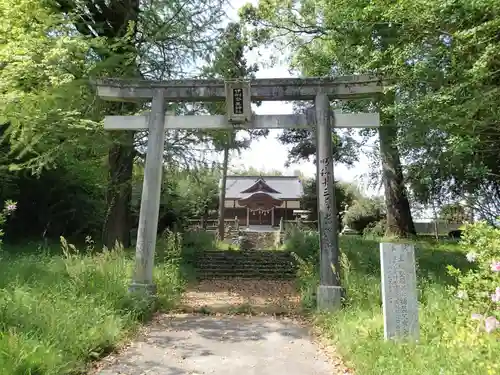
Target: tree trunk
436, 219
222, 192
112, 20
399, 219
121, 160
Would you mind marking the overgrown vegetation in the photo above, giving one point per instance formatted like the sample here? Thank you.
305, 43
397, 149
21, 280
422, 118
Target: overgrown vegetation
478, 289
70, 178
345, 195
61, 309
450, 341
364, 212
56, 160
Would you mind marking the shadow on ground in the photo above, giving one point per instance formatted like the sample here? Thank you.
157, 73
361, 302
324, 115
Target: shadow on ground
235, 329
198, 344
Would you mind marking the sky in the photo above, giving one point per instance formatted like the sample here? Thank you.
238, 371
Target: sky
268, 153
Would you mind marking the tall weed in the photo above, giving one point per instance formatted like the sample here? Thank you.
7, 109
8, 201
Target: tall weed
57, 313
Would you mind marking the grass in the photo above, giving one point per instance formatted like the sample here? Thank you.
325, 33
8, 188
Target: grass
201, 241
448, 345
60, 311
224, 246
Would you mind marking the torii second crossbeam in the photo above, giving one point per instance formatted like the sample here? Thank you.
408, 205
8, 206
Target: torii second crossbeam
289, 121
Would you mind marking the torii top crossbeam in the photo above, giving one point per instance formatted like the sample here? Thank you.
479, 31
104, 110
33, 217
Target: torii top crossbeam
343, 87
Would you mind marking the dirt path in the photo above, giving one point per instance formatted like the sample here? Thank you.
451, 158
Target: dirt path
196, 344
242, 296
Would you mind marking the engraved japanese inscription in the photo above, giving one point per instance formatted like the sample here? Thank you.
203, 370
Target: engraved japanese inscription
238, 101
399, 291
326, 217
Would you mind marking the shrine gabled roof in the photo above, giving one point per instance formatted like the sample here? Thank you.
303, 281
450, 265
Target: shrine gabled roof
287, 187
262, 198
260, 185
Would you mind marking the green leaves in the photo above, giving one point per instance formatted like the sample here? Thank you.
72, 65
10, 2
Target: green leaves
42, 94
228, 62
442, 57
363, 212
476, 287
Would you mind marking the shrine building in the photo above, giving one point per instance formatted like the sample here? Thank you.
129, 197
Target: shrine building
258, 200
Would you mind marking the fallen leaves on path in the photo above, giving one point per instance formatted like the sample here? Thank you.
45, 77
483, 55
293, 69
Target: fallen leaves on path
242, 296
239, 296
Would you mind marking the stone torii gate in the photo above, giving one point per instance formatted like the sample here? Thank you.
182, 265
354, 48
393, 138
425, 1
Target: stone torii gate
238, 95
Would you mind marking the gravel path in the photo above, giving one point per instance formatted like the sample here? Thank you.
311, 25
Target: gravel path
187, 344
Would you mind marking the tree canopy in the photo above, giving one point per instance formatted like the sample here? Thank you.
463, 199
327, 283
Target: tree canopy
440, 62
50, 116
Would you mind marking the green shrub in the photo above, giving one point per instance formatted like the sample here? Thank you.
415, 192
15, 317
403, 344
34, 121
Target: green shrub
67, 199
200, 240
8, 209
375, 229
170, 246
308, 281
363, 212
305, 244
478, 289
194, 243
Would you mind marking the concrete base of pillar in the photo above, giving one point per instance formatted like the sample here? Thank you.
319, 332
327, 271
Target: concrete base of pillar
329, 298
146, 289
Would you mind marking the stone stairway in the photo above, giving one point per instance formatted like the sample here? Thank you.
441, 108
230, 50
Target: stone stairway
260, 264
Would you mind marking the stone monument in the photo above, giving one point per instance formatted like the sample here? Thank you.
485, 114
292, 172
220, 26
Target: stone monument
399, 291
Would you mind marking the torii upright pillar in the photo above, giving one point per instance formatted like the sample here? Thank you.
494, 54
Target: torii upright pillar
151, 191
329, 291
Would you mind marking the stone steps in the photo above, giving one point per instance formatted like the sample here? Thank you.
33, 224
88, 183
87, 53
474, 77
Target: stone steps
262, 264
253, 254
245, 275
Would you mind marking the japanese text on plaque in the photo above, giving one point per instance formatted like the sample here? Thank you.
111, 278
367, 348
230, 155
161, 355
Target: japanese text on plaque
238, 101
